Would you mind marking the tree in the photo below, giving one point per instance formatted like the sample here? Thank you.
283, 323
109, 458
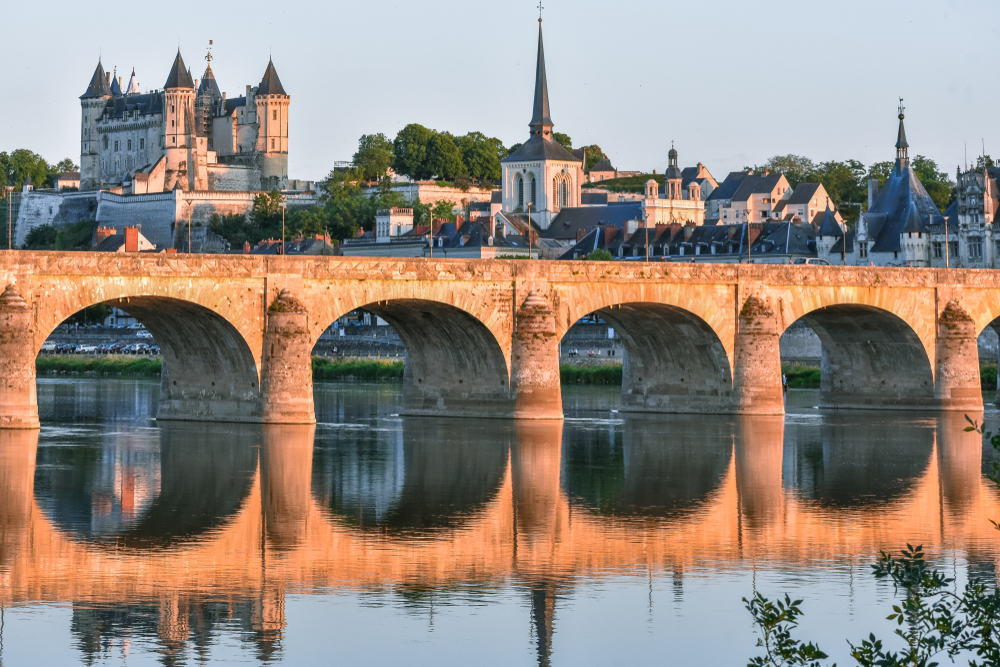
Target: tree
374, 157
984, 162
21, 165
881, 172
937, 183
513, 149
481, 156
42, 237
443, 157
444, 210
409, 151
563, 140
594, 154
795, 168
600, 255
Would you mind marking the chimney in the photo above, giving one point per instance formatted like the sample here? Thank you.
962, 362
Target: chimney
246, 247
109, 79
660, 228
872, 192
103, 233
609, 234
119, 82
131, 239
171, 251
580, 233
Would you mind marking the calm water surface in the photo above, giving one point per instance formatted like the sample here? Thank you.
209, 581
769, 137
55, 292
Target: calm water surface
610, 539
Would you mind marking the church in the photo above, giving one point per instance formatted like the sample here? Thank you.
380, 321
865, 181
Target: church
187, 136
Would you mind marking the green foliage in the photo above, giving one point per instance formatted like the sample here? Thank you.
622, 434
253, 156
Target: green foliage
42, 237
595, 375
988, 377
92, 315
443, 157
410, 151
374, 157
563, 140
370, 371
443, 210
594, 154
776, 620
78, 236
135, 366
937, 183
600, 255
16, 167
481, 156
984, 162
801, 377
881, 172
513, 149
635, 184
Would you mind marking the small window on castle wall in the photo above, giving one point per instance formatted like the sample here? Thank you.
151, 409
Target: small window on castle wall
130, 144
272, 143
275, 116
142, 144
171, 108
174, 139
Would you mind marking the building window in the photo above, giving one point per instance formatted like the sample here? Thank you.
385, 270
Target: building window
272, 144
174, 140
275, 116
520, 192
171, 108
555, 192
953, 249
211, 142
142, 144
939, 249
996, 245
863, 250
976, 248
116, 146
130, 144
533, 191
565, 194
105, 143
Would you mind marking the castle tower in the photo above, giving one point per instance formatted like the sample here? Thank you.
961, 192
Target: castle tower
206, 100
181, 143
272, 134
92, 103
541, 172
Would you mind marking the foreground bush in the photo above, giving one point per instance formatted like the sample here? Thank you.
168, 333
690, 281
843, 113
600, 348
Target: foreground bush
598, 375
367, 371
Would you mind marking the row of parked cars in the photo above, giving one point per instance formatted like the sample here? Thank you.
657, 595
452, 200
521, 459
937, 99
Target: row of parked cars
109, 348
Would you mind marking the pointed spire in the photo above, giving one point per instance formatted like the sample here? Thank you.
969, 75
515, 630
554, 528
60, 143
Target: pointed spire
901, 146
541, 124
98, 84
133, 85
179, 76
271, 84
829, 226
116, 87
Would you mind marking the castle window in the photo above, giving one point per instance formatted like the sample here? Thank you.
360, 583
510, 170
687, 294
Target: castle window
172, 124
555, 191
130, 144
105, 143
116, 146
171, 108
142, 144
272, 144
275, 116
520, 185
863, 250
533, 190
174, 139
975, 248
565, 194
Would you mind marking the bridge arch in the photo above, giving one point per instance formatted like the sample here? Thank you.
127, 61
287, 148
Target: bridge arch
210, 341
871, 358
455, 364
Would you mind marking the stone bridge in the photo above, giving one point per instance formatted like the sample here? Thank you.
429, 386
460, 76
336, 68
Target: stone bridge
482, 336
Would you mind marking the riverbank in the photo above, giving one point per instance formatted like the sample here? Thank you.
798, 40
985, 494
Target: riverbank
808, 377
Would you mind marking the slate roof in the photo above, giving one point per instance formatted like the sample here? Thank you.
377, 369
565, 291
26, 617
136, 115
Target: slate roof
901, 137
828, 225
603, 165
271, 84
594, 198
537, 148
233, 103
98, 84
565, 225
902, 205
116, 88
208, 85
804, 193
179, 77
475, 234
496, 197
754, 184
133, 85
728, 187
148, 103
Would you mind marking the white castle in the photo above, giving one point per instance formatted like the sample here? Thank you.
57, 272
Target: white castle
187, 136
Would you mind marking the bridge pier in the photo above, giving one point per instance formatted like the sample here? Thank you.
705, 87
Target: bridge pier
757, 368
18, 398
286, 385
535, 380
957, 385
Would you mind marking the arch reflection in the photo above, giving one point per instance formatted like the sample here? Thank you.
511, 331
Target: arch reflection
148, 488
426, 475
647, 465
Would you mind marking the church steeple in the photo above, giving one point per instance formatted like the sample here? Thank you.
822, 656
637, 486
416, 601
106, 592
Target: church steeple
902, 148
541, 124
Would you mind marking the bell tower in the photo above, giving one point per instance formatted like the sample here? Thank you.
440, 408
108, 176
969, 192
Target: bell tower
92, 103
179, 131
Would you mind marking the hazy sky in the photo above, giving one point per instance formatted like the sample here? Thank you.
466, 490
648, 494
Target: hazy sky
732, 82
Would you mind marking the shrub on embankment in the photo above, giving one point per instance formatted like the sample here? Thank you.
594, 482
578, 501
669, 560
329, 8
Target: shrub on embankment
808, 377
134, 366
597, 375
366, 371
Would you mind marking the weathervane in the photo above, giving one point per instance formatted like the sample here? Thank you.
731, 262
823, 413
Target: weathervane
208, 56
540, 8
901, 108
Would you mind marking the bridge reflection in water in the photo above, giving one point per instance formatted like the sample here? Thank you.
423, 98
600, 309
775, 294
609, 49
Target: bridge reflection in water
179, 532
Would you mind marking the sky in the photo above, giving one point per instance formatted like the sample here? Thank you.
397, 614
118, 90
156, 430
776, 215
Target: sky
731, 82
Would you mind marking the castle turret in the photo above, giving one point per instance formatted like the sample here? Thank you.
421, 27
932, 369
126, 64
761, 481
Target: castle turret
181, 143
673, 179
272, 134
92, 103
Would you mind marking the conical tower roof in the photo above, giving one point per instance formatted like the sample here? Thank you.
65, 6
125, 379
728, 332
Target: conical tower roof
116, 88
540, 115
133, 85
271, 84
829, 226
179, 76
98, 84
208, 85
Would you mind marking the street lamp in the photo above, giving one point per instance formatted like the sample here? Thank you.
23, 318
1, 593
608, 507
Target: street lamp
10, 201
645, 231
430, 221
283, 206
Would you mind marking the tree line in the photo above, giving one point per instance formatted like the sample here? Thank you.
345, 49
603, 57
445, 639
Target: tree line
20, 165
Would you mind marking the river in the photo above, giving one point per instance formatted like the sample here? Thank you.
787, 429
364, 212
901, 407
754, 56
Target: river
610, 539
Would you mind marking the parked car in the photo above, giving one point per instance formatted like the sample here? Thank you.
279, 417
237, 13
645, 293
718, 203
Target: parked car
66, 348
116, 348
811, 261
153, 349
86, 349
49, 347
136, 348
142, 333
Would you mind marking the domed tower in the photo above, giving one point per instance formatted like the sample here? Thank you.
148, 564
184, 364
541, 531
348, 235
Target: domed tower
272, 135
180, 134
92, 103
673, 179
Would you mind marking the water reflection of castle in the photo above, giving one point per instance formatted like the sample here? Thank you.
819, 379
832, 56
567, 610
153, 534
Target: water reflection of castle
229, 533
